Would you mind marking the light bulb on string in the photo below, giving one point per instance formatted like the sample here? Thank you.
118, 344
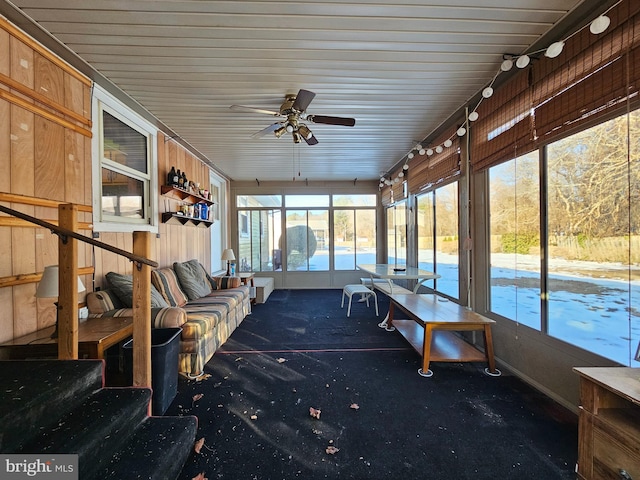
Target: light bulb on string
439, 149
523, 61
429, 152
506, 65
554, 50
599, 25
448, 143
473, 116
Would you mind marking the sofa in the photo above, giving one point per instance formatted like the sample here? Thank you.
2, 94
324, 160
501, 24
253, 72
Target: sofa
207, 309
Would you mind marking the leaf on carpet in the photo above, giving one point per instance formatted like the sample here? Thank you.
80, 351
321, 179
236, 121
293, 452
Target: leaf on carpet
354, 406
198, 445
197, 397
281, 360
314, 412
200, 476
331, 450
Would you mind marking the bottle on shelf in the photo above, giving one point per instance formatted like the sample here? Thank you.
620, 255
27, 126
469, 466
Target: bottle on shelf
185, 182
180, 180
172, 177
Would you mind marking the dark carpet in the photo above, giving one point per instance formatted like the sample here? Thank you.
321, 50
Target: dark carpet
300, 351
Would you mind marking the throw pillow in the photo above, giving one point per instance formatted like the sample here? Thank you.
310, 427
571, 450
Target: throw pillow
122, 286
166, 282
193, 279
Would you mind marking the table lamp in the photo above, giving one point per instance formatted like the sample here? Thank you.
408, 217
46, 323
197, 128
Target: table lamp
48, 288
228, 255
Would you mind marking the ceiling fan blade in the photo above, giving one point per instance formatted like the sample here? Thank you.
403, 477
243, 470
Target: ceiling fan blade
270, 129
303, 99
242, 108
312, 140
347, 122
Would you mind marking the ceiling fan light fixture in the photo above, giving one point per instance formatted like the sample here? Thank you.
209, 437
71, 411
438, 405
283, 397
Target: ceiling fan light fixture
305, 132
290, 128
296, 137
278, 132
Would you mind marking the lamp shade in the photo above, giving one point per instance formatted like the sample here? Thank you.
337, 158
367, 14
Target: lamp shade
228, 254
48, 286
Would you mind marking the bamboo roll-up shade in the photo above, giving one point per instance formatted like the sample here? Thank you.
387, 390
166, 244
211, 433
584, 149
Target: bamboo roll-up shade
593, 76
426, 171
504, 123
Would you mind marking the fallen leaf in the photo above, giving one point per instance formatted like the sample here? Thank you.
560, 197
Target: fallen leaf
198, 445
197, 397
331, 450
200, 476
202, 377
238, 359
281, 360
314, 412
254, 417
354, 406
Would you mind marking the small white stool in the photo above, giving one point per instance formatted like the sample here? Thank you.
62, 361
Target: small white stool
356, 288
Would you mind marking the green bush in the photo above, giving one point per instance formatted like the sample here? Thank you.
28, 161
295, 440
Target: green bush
522, 243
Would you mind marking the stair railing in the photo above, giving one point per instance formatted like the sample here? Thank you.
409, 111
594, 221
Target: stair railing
68, 239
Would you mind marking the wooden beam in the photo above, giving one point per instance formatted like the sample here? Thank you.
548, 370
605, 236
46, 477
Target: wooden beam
68, 286
25, 278
142, 312
38, 202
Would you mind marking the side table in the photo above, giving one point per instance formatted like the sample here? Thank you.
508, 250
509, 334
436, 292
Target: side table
247, 279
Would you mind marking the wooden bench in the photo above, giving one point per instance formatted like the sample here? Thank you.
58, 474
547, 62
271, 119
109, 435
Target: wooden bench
430, 330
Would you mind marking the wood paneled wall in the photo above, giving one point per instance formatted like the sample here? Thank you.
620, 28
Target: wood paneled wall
45, 135
45, 152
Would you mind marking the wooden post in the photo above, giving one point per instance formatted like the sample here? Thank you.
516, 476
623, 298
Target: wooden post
141, 312
68, 285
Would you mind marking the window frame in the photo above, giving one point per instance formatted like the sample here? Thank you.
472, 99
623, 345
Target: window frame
102, 101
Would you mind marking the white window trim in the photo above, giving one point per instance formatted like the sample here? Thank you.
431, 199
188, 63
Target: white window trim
102, 98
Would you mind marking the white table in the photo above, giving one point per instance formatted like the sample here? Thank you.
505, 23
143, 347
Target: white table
391, 272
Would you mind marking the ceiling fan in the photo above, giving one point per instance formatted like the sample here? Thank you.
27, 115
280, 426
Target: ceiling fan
293, 111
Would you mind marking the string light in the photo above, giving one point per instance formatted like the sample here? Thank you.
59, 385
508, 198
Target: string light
597, 26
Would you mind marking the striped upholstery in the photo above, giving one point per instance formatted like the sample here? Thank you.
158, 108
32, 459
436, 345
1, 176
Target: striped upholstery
102, 301
206, 322
225, 282
166, 282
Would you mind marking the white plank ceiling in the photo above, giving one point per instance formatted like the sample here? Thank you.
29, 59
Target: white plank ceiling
399, 69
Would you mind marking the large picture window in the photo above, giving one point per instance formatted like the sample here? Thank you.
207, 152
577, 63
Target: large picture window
437, 230
397, 233
354, 230
259, 228
594, 242
514, 240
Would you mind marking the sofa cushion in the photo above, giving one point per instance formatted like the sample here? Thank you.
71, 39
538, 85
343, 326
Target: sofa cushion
103, 301
166, 282
224, 283
122, 285
193, 279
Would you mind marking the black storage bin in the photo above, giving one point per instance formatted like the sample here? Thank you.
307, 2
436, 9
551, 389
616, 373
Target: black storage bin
165, 347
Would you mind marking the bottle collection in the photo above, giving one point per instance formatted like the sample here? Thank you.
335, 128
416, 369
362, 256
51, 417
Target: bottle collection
177, 179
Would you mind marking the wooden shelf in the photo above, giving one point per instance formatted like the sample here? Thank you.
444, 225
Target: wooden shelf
183, 195
445, 346
184, 220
